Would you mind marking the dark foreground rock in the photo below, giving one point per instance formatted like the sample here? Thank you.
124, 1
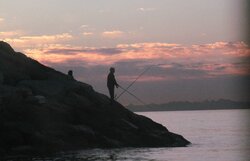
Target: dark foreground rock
42, 110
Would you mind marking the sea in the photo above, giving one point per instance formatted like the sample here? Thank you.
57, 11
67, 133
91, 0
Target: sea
216, 135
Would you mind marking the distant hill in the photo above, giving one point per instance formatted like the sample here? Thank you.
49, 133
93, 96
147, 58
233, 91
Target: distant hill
186, 105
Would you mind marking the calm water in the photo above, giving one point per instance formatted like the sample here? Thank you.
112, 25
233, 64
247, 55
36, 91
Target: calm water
219, 135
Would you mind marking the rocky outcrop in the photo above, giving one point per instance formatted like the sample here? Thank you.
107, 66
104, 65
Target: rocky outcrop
43, 110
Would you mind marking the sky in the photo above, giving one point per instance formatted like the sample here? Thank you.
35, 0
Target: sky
194, 50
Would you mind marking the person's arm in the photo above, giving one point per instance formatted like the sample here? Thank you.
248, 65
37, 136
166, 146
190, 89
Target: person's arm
115, 83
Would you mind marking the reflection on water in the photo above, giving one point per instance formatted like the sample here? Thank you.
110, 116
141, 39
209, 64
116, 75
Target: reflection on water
122, 154
220, 135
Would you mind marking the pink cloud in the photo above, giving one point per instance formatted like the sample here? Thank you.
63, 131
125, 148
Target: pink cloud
22, 42
10, 34
144, 78
1, 20
87, 33
207, 60
113, 34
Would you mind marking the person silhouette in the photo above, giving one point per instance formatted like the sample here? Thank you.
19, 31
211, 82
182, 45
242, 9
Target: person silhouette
70, 74
111, 83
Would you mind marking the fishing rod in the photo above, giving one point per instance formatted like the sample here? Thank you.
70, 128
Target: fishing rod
133, 96
124, 90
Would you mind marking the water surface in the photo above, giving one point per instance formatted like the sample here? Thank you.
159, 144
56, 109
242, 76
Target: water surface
216, 135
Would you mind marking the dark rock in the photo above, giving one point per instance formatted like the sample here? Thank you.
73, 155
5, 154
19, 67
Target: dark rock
5, 47
36, 99
43, 110
1, 77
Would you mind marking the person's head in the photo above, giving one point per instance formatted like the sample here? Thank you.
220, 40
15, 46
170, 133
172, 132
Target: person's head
112, 70
70, 73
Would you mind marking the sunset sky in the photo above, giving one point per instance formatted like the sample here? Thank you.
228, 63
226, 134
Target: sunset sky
197, 47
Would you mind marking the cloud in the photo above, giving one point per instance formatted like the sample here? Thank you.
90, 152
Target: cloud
61, 54
1, 20
78, 50
10, 34
112, 34
25, 42
84, 26
146, 9
145, 78
175, 61
87, 33
48, 38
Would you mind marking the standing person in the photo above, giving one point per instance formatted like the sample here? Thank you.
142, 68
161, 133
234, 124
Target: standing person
70, 74
111, 83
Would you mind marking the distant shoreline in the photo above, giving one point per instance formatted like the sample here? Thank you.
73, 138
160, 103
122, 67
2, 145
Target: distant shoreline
221, 104
192, 109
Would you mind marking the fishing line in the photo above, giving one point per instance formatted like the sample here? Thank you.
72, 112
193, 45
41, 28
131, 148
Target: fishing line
126, 89
138, 99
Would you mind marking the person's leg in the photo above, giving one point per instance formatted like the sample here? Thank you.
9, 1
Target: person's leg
111, 93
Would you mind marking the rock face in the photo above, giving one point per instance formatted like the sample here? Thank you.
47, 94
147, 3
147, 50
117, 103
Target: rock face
43, 110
